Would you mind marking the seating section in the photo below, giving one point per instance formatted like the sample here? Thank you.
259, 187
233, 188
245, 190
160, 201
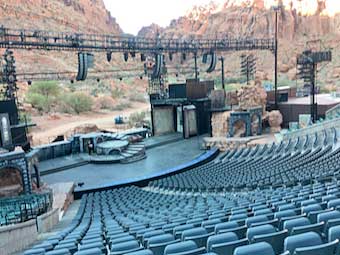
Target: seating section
23, 208
269, 200
286, 163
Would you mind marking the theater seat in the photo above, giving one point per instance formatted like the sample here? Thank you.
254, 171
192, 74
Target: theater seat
142, 252
262, 248
183, 248
322, 249
93, 251
221, 238
274, 239
125, 247
301, 240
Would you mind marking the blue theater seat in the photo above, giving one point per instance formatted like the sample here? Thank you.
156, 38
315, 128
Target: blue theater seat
262, 248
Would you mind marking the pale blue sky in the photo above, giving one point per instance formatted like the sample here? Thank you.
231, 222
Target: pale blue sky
132, 15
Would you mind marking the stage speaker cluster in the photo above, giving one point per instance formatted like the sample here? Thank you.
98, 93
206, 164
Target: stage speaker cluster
85, 61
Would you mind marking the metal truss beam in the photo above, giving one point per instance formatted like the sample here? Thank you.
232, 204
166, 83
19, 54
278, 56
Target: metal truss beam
46, 40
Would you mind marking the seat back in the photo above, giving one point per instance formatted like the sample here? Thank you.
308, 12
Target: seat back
259, 230
221, 238
301, 240
180, 247
262, 248
322, 249
317, 227
274, 239
228, 247
297, 222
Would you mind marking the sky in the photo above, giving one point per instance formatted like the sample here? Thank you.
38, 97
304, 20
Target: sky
132, 15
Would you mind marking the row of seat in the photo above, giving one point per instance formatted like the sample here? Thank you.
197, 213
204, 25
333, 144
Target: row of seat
131, 219
23, 207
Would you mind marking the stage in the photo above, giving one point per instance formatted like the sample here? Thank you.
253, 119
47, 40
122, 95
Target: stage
159, 159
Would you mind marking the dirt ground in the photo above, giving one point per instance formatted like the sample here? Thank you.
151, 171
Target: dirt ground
50, 126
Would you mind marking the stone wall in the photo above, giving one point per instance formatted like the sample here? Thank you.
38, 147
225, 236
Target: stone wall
219, 124
17, 160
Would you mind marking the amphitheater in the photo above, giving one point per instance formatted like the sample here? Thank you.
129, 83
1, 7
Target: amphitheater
216, 168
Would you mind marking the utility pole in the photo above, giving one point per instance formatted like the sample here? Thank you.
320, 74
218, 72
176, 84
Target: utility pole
276, 9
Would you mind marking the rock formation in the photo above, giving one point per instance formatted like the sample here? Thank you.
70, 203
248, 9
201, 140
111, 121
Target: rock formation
275, 120
219, 124
253, 95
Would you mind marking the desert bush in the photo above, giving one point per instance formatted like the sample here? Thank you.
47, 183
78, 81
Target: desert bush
105, 103
136, 118
45, 88
42, 95
137, 97
77, 103
116, 93
122, 105
38, 101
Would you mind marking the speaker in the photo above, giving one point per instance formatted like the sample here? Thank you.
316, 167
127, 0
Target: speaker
81, 66
85, 61
158, 66
212, 63
126, 56
109, 56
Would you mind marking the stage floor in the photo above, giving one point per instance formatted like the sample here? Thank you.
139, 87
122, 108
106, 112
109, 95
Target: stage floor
158, 159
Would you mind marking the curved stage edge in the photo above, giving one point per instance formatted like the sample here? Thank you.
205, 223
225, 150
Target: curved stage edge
144, 180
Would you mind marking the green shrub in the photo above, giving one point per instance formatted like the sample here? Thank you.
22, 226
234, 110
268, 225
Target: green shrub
117, 93
78, 102
39, 102
42, 95
45, 88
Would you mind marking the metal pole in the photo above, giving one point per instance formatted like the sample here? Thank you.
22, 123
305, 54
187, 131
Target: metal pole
313, 108
222, 74
196, 69
275, 56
